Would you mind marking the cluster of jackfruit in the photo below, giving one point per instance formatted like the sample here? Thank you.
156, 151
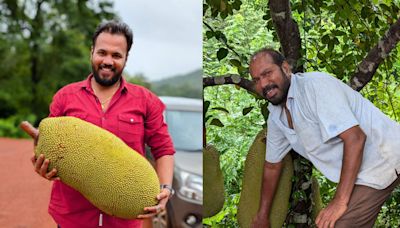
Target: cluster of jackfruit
252, 184
213, 183
98, 164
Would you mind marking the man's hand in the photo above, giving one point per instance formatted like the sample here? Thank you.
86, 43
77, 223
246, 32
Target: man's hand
260, 220
162, 202
40, 164
329, 215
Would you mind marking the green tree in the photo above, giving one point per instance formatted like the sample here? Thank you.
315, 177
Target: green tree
45, 44
353, 40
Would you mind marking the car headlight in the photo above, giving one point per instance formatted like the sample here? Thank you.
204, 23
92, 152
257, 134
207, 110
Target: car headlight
190, 187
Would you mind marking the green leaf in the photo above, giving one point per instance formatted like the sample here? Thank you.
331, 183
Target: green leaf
236, 5
222, 53
206, 105
216, 122
207, 118
221, 109
325, 39
235, 62
209, 34
247, 110
339, 33
365, 12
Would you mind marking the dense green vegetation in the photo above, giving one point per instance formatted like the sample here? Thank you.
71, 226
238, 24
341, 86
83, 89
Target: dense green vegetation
336, 36
45, 45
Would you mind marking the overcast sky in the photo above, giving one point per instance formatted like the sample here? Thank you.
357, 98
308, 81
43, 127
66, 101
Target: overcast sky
167, 36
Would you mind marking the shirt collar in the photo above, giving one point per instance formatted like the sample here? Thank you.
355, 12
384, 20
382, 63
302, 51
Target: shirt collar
293, 87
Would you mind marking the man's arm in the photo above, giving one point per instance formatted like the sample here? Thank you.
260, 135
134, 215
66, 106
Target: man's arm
354, 141
164, 168
272, 172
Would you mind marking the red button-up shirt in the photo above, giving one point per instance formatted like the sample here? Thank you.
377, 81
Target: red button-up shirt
135, 115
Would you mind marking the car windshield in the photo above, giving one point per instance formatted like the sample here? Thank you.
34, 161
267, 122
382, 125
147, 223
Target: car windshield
186, 130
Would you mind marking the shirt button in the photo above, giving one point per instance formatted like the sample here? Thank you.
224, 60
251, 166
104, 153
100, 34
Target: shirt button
131, 120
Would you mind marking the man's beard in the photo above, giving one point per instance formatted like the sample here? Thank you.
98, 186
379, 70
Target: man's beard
104, 81
283, 89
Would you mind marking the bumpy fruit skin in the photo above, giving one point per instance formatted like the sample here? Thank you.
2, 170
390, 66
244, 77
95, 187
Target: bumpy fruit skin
316, 198
98, 164
213, 183
252, 183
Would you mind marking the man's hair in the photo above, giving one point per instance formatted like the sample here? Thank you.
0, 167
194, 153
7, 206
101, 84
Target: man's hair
114, 27
276, 56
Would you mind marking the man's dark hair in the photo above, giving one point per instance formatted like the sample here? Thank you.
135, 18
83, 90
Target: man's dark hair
114, 27
276, 56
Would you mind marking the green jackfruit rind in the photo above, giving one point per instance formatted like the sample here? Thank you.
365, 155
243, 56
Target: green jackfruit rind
213, 183
252, 182
98, 164
316, 198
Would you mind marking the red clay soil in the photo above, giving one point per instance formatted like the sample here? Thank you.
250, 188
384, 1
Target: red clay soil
24, 195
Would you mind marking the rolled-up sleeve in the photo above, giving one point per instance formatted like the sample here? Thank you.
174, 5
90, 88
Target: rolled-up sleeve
156, 130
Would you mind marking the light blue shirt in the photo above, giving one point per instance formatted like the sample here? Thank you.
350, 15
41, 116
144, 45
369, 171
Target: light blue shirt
321, 108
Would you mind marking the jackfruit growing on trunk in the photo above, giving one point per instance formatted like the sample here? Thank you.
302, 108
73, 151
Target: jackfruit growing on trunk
98, 164
213, 183
252, 183
317, 204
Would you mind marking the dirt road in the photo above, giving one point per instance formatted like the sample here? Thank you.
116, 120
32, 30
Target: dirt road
24, 196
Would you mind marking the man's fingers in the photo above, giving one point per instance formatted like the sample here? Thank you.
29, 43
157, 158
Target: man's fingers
162, 195
152, 211
29, 129
39, 163
44, 167
318, 219
33, 159
150, 215
51, 174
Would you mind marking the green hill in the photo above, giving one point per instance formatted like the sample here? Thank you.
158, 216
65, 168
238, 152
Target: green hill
187, 85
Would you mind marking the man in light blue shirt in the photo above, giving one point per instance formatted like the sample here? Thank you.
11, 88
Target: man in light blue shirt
343, 134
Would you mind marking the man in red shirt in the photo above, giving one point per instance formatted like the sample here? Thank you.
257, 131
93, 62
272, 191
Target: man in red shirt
129, 111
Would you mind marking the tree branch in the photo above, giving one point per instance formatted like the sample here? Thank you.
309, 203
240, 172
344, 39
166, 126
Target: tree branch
230, 79
367, 68
288, 32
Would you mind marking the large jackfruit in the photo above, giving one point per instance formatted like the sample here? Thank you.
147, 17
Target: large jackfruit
98, 164
317, 204
213, 183
252, 184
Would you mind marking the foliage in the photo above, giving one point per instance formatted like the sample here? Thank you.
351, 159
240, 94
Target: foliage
333, 41
186, 85
227, 216
44, 45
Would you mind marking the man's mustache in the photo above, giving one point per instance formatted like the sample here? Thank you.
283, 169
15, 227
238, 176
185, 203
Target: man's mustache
267, 88
107, 66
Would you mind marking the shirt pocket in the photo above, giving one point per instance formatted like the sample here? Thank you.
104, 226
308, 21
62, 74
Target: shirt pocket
310, 137
131, 127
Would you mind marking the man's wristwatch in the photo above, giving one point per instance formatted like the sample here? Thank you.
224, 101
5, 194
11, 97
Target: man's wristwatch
169, 187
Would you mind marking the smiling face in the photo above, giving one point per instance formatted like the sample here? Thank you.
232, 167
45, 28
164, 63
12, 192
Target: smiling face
108, 58
271, 80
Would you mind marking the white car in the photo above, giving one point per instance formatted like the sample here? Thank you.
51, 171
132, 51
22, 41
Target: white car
184, 117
